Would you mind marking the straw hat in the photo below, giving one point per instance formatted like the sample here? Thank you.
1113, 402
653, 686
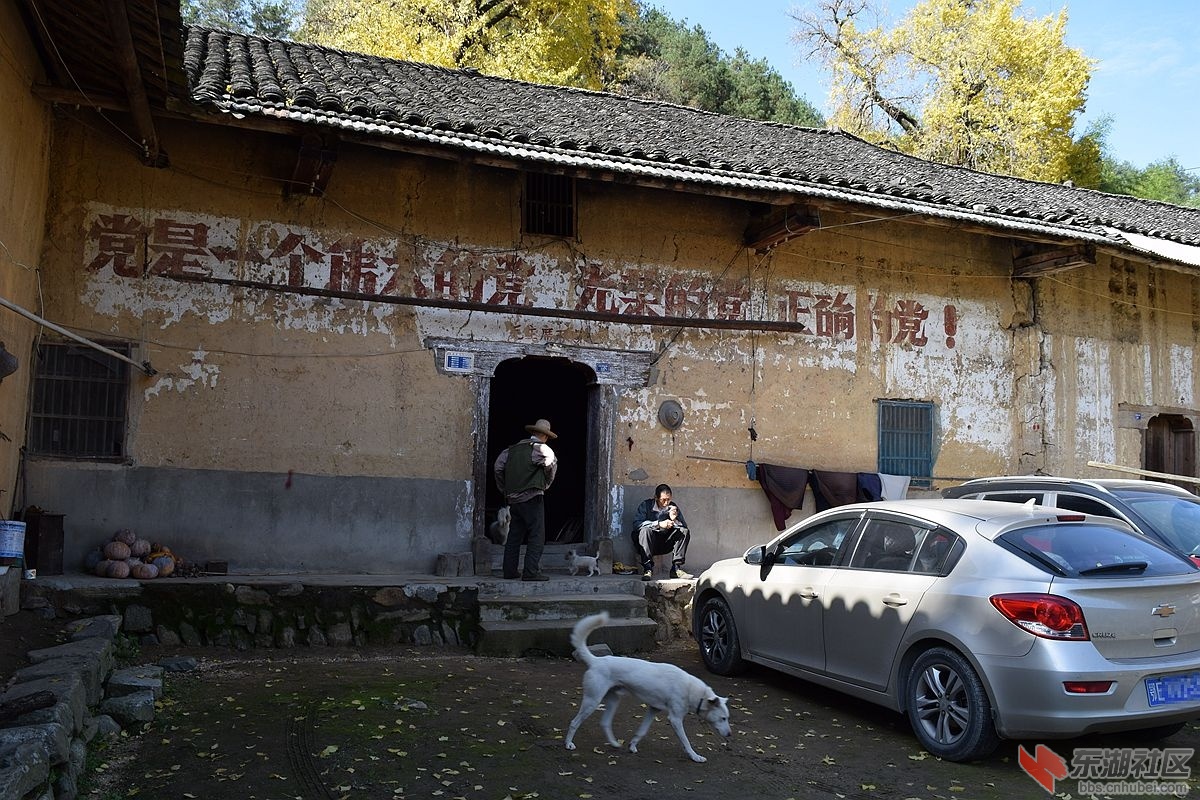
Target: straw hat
542, 426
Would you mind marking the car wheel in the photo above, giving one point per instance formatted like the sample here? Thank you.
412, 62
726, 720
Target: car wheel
948, 707
719, 646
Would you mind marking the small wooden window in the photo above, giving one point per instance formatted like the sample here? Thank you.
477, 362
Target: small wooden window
549, 207
79, 402
906, 440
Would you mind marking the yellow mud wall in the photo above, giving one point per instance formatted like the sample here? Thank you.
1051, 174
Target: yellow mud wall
1024, 376
248, 380
1121, 335
24, 166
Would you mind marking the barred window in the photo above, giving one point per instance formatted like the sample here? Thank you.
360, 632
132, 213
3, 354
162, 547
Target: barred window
906, 440
549, 206
79, 402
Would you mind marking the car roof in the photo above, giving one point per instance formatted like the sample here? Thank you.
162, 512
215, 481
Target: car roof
986, 517
1110, 485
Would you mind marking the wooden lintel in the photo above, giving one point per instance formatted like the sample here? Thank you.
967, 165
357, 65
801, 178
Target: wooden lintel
1047, 261
314, 166
783, 224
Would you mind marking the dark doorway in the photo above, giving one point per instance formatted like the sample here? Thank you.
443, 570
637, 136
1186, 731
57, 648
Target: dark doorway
1170, 446
523, 391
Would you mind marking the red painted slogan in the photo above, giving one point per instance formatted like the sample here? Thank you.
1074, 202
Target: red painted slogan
174, 245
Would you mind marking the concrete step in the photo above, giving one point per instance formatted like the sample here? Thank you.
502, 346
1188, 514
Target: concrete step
554, 556
565, 607
553, 637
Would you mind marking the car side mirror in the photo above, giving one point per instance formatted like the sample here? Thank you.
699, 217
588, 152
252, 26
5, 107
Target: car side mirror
755, 555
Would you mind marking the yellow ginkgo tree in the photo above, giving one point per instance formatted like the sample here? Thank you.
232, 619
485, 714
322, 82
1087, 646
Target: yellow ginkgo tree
565, 42
967, 82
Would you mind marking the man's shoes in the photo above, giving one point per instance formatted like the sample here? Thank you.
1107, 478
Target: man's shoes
678, 574
647, 575
512, 577
537, 577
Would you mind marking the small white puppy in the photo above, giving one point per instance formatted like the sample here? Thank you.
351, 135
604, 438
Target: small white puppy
579, 562
497, 532
662, 687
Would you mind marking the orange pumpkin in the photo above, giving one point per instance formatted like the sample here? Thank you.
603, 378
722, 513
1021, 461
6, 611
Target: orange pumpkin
116, 551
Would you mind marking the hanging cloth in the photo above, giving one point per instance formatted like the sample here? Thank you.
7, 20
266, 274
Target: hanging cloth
784, 488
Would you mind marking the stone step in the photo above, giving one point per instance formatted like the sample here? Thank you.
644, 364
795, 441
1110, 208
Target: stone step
553, 637
559, 583
565, 607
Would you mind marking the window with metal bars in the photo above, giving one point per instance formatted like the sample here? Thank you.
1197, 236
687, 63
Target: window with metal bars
79, 402
549, 207
906, 440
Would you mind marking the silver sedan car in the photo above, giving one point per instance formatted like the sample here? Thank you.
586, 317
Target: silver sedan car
979, 620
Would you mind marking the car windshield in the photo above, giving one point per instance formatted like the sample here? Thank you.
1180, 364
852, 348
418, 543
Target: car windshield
1087, 550
1177, 519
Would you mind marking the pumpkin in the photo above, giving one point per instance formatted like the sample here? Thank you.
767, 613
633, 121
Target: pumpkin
143, 572
139, 548
101, 568
165, 564
116, 551
118, 569
125, 536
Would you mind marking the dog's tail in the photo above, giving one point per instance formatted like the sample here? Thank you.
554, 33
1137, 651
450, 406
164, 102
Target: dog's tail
582, 630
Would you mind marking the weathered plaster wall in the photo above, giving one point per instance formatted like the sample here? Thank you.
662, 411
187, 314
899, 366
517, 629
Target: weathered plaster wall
1122, 333
24, 166
254, 387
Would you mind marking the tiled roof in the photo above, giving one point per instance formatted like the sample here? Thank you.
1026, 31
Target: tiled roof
463, 109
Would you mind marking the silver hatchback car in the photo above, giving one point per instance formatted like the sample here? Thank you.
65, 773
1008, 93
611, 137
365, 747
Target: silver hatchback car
979, 620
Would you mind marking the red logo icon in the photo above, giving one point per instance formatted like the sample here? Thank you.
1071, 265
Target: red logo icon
1045, 767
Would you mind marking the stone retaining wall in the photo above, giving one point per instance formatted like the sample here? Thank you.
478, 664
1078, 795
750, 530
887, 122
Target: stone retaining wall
78, 696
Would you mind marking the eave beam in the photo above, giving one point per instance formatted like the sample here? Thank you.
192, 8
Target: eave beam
780, 225
1035, 261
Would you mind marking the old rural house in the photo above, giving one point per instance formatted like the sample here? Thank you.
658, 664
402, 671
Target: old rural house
332, 287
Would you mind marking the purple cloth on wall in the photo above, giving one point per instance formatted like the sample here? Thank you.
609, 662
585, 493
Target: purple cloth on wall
784, 488
870, 487
834, 488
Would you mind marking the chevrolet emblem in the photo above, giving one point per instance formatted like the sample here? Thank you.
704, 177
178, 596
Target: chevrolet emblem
1165, 610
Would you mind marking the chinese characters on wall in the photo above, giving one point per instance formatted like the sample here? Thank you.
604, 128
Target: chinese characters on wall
179, 244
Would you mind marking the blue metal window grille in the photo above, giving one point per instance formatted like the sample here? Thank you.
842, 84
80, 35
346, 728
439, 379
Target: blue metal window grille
79, 402
549, 206
906, 440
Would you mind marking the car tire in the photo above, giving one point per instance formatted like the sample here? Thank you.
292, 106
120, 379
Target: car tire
718, 638
948, 708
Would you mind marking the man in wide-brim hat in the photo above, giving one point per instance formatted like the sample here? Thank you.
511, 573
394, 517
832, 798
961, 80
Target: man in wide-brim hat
524, 472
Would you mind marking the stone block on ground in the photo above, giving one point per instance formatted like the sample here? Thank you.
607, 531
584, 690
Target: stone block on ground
453, 565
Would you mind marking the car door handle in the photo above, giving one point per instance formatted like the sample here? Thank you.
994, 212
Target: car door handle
895, 600
808, 593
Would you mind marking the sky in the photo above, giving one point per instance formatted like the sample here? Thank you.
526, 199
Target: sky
1145, 78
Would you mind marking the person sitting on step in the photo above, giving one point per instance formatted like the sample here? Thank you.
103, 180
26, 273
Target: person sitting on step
659, 529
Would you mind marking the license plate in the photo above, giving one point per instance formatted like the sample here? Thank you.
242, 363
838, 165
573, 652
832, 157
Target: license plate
1168, 689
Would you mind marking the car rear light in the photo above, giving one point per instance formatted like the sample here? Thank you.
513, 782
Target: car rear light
1046, 615
1087, 687
1071, 517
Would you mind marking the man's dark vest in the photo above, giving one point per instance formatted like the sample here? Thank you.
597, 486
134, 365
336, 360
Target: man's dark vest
520, 473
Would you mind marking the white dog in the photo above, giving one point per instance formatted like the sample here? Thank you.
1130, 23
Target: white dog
498, 531
662, 687
579, 562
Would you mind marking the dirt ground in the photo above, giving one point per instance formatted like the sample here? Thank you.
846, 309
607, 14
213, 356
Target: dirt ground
409, 722
435, 723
